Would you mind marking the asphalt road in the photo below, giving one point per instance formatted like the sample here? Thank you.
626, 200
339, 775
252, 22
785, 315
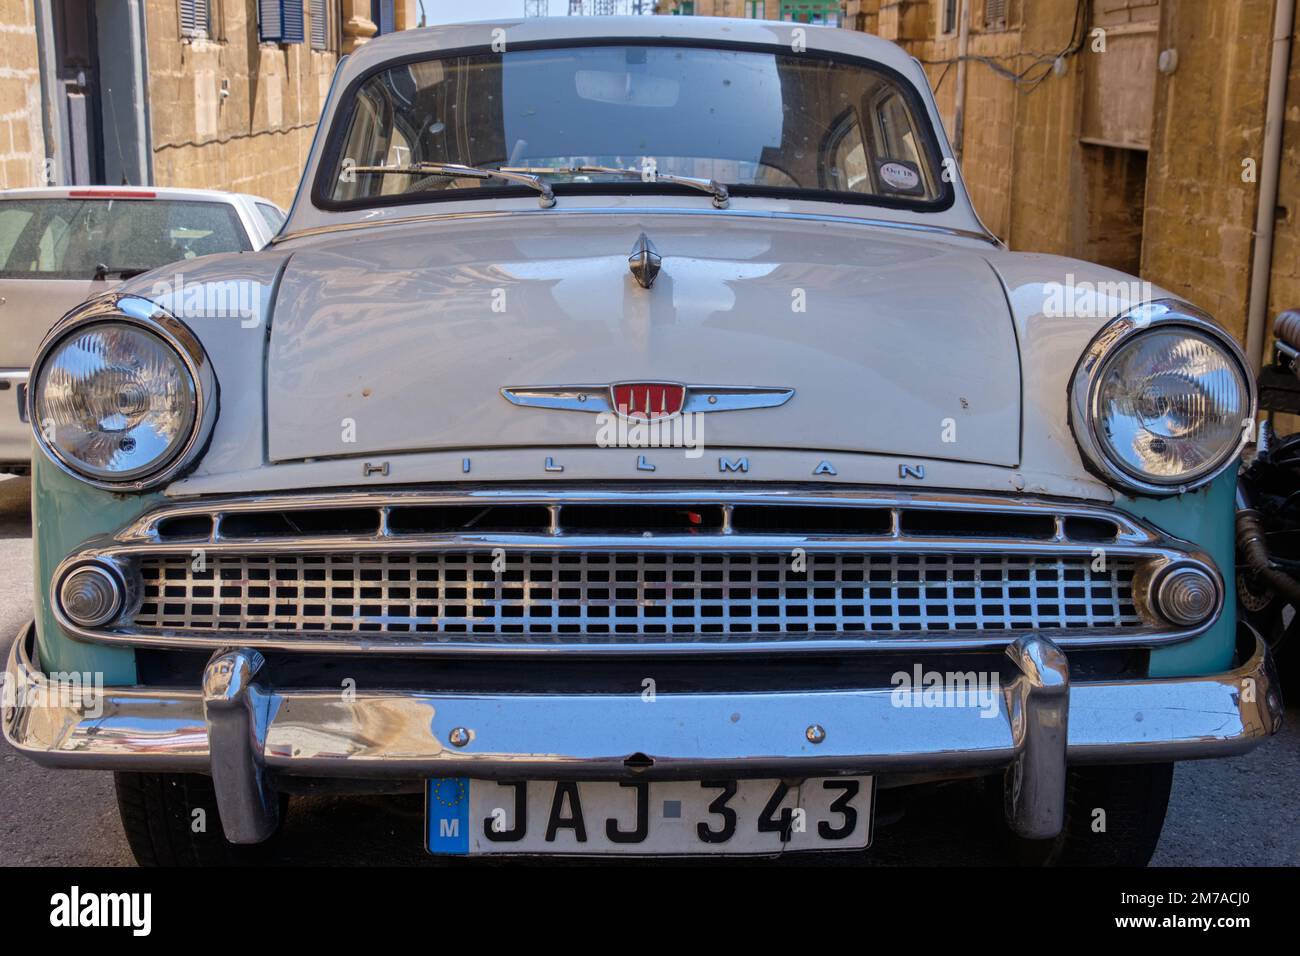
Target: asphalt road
1243, 811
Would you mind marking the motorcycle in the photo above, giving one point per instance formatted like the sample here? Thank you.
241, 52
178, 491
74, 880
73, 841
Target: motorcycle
1268, 507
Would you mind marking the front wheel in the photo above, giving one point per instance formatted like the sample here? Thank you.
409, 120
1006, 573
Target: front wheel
171, 819
1113, 817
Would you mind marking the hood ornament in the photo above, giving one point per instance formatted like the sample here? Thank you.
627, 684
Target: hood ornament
647, 401
644, 261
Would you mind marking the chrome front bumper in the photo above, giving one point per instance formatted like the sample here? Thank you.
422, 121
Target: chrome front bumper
244, 733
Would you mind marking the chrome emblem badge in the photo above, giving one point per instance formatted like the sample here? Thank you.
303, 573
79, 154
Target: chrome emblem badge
647, 401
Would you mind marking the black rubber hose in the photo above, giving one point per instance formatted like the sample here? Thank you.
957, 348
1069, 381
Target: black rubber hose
1286, 327
1254, 551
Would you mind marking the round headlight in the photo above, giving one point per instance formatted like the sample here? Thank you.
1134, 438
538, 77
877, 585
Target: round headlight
1165, 400
116, 401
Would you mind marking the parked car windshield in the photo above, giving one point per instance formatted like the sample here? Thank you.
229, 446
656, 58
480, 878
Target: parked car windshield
759, 122
70, 238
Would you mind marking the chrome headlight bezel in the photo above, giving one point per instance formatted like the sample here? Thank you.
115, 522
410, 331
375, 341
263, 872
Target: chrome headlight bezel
126, 309
1090, 372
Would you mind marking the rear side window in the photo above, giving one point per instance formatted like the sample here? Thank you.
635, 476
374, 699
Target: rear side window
69, 238
273, 217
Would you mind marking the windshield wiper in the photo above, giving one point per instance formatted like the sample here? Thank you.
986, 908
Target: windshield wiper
546, 197
716, 189
103, 272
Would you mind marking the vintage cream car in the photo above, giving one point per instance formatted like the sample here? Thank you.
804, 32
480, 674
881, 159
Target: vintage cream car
635, 444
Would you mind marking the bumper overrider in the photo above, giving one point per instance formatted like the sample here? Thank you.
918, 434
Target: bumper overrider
246, 730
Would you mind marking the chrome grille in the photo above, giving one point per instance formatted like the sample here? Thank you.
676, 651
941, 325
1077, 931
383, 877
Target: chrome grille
598, 597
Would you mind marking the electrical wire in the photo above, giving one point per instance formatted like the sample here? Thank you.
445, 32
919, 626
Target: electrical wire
1042, 65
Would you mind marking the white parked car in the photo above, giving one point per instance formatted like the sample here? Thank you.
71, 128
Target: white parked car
634, 442
61, 245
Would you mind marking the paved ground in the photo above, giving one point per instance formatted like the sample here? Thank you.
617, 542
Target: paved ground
1239, 812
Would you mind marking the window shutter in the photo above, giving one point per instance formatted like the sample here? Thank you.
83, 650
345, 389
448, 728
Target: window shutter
291, 17
279, 21
268, 20
320, 29
381, 14
995, 13
194, 18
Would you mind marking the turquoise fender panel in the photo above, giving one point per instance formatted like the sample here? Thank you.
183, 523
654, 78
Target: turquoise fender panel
1207, 518
66, 513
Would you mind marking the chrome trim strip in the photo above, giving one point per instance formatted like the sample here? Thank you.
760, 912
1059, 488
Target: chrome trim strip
1087, 377
144, 528
642, 211
134, 310
319, 732
1135, 541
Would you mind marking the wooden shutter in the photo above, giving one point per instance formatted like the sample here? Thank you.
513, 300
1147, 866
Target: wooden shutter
291, 17
320, 27
279, 21
269, 26
194, 18
383, 16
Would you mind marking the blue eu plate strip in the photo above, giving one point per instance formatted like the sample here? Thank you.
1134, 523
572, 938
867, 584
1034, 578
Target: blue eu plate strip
447, 815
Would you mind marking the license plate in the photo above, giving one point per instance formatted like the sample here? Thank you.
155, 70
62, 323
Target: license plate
647, 818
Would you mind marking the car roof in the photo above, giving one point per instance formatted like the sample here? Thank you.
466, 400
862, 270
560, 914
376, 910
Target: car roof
433, 40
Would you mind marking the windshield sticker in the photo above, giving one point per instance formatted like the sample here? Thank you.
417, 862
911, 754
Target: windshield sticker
901, 176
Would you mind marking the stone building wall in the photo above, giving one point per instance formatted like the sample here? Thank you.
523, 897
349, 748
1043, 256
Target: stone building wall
230, 112
22, 142
1209, 119
1108, 158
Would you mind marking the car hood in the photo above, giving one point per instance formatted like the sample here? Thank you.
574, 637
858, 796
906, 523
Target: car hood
400, 338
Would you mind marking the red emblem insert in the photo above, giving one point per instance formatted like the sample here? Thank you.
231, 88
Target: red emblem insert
648, 401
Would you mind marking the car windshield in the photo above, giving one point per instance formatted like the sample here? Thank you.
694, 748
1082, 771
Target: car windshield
71, 238
761, 123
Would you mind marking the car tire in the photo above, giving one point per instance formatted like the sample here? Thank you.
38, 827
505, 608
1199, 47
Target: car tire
1134, 798
158, 811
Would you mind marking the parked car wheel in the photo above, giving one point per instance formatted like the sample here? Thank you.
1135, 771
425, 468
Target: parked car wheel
158, 812
1134, 799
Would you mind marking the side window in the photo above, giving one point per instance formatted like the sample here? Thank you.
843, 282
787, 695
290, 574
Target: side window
897, 137
271, 215
12, 224
52, 246
848, 158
